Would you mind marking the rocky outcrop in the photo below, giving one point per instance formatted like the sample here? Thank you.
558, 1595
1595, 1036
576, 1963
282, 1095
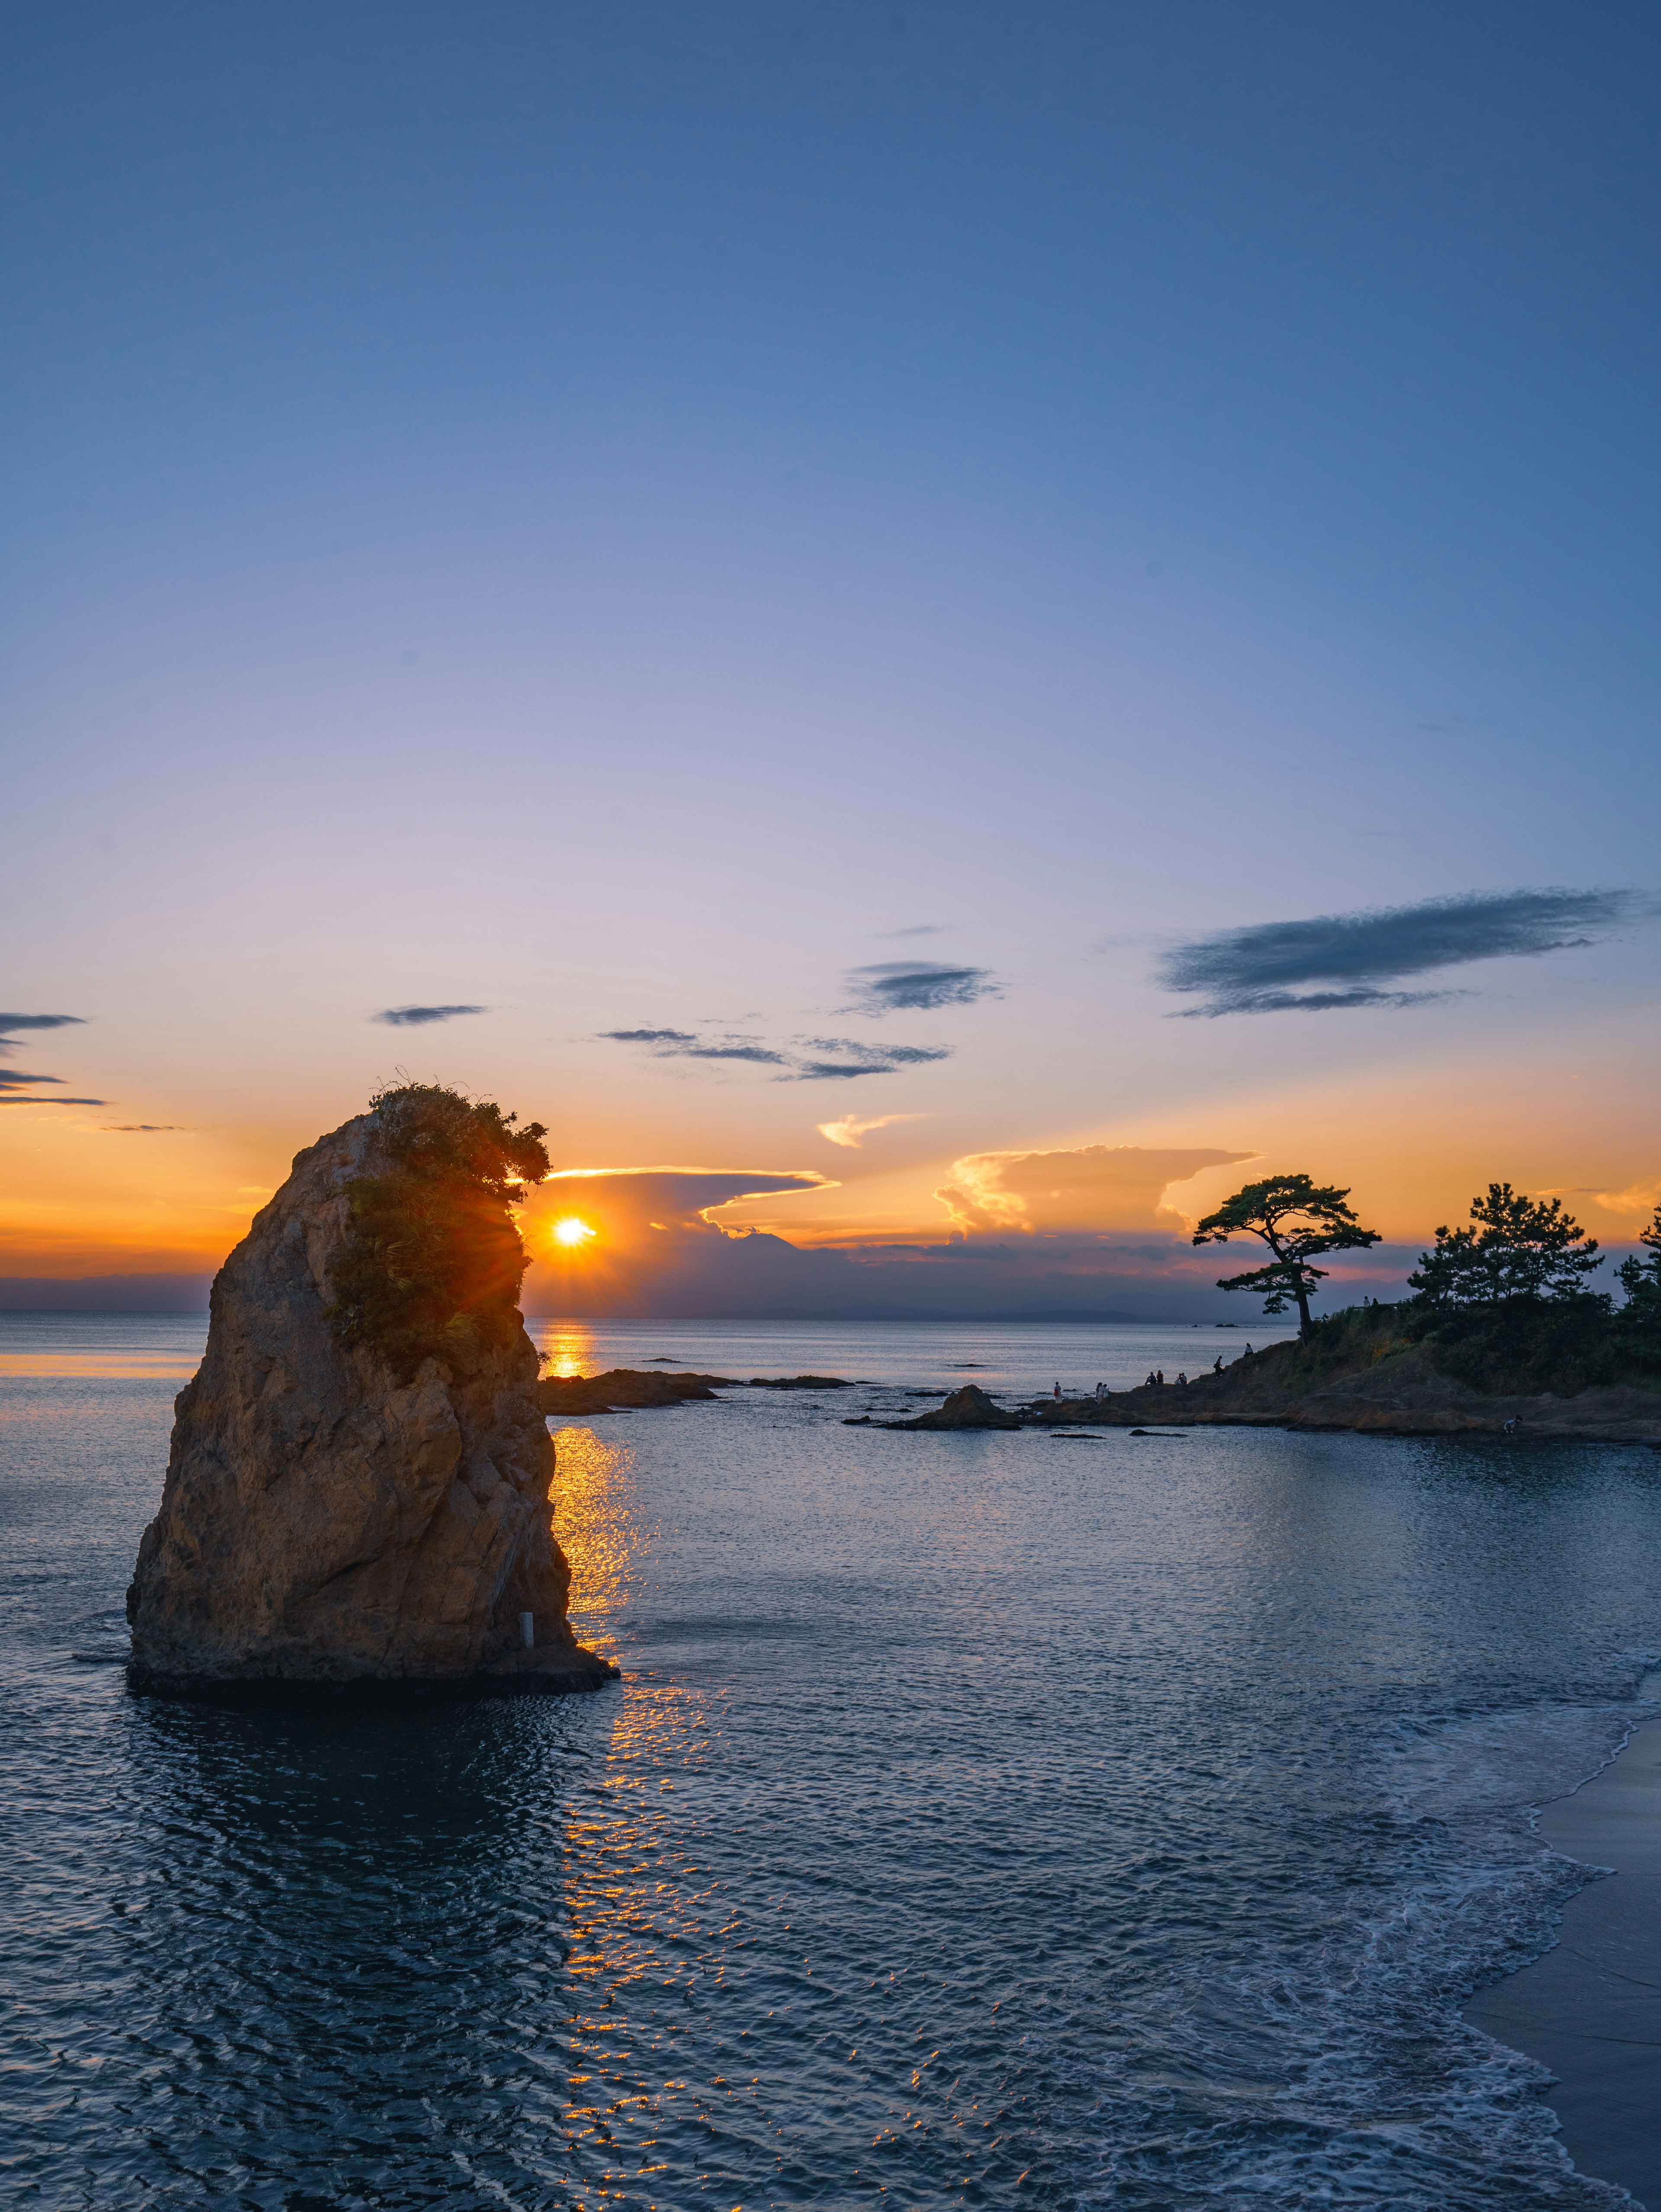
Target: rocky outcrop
333, 1515
968, 1408
1370, 1376
624, 1389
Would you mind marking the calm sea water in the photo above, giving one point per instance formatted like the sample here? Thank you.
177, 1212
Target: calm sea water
992, 1819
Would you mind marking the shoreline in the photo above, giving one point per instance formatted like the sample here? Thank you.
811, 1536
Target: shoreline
1590, 2008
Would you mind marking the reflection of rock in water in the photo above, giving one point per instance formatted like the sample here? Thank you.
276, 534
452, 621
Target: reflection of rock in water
342, 1927
342, 1506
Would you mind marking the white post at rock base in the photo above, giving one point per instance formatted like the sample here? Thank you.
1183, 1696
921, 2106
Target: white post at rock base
527, 1629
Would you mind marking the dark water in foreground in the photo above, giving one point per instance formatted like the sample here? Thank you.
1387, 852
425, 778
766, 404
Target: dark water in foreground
984, 1819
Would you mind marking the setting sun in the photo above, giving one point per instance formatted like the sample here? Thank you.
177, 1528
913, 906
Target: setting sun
572, 1232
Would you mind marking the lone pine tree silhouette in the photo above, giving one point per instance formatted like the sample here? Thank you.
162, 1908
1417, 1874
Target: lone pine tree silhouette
1299, 1220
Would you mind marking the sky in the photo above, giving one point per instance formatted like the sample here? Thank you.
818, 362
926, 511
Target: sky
935, 632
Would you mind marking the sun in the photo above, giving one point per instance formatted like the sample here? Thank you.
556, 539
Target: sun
571, 1232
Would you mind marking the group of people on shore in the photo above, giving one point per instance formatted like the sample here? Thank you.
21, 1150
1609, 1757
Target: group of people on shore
1155, 1379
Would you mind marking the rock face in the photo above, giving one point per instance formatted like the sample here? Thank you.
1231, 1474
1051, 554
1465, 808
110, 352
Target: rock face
968, 1408
327, 1519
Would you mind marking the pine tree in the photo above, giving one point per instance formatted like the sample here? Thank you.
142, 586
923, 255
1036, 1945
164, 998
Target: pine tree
1298, 1220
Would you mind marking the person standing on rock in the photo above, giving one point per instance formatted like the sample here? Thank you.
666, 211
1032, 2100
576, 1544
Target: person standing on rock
1058, 1390
1102, 1391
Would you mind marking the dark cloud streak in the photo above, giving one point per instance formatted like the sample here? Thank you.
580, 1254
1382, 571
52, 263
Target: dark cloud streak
1260, 970
917, 986
409, 1018
10, 1023
812, 1059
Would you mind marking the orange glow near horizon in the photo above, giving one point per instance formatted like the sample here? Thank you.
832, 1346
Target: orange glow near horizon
572, 1233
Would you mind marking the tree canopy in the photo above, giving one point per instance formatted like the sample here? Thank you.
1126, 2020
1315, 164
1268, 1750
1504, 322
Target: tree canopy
1517, 1249
1299, 1220
434, 1261
1641, 1279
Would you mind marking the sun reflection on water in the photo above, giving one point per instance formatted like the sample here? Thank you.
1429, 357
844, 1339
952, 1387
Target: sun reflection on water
567, 1346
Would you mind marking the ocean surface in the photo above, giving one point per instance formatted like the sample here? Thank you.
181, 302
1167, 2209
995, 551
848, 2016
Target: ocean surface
982, 1820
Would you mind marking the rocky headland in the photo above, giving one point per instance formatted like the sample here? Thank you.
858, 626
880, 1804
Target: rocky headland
358, 1488
1365, 1369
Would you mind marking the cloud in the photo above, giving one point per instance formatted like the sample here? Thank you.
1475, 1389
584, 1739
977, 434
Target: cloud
684, 1044
1266, 968
662, 1250
412, 1018
52, 1101
761, 1054
917, 929
142, 1129
809, 1061
850, 1128
1095, 1187
854, 1059
11, 1022
917, 986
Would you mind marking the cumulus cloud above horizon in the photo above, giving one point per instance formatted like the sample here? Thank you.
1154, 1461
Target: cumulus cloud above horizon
1093, 1187
411, 1017
886, 987
1339, 960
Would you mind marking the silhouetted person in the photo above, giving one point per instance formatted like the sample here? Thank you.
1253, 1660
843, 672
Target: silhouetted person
1217, 1364
1159, 1376
1058, 1390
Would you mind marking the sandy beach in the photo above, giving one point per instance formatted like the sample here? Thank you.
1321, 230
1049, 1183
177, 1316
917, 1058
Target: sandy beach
1590, 2008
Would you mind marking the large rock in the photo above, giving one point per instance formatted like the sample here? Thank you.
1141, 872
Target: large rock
333, 1514
968, 1408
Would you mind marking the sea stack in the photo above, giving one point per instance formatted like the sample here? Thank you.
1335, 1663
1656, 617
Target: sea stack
358, 1486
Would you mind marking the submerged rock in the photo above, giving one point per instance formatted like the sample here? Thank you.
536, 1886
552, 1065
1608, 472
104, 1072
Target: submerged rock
358, 1489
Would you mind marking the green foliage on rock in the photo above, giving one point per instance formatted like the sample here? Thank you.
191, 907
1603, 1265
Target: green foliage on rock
432, 1262
1504, 1305
1517, 1248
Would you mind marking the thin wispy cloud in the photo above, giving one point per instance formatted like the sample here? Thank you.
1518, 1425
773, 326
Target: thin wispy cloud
414, 1018
916, 929
805, 1060
851, 1129
1352, 959
759, 1055
827, 1059
142, 1129
887, 987
686, 1044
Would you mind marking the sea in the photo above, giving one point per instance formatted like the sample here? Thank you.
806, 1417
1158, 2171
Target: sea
982, 1818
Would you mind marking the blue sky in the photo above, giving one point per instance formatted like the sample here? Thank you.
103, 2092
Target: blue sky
607, 514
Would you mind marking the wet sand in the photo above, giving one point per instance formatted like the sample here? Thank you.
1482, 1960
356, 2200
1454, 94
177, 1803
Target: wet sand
1590, 2009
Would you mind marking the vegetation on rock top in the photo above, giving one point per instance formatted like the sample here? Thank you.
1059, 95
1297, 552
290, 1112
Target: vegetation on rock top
434, 1261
